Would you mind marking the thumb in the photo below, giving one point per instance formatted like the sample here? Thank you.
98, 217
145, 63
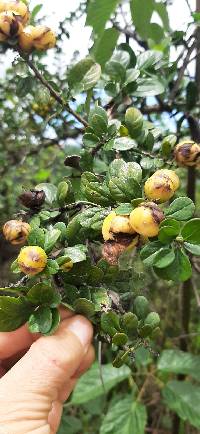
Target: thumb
28, 390
53, 359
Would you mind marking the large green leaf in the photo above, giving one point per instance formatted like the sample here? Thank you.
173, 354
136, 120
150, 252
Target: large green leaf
13, 312
191, 231
162, 11
141, 11
183, 398
181, 209
179, 270
99, 12
149, 87
179, 362
105, 45
148, 58
125, 417
90, 386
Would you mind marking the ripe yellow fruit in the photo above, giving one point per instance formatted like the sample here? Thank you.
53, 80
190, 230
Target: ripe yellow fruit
187, 153
146, 218
32, 260
16, 231
162, 185
16, 6
10, 25
39, 37
116, 224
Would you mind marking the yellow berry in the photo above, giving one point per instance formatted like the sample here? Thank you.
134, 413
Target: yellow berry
162, 185
32, 260
10, 25
39, 37
187, 153
146, 218
16, 231
16, 6
67, 266
116, 224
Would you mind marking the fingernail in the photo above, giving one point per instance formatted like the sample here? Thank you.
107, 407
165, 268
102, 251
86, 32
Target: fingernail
82, 328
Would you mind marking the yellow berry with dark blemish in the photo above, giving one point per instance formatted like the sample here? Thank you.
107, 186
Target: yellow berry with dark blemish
10, 25
146, 218
32, 260
162, 185
16, 231
187, 153
16, 6
39, 37
116, 224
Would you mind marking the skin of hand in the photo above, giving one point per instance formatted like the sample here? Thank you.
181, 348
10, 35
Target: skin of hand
39, 373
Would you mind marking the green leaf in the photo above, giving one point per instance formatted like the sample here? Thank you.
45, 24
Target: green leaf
98, 111
24, 86
101, 299
149, 87
90, 385
124, 209
55, 322
77, 73
131, 76
36, 237
51, 238
84, 307
124, 144
76, 253
150, 251
110, 323
105, 45
99, 13
183, 398
92, 77
123, 190
155, 32
141, 12
192, 248
50, 192
13, 312
90, 140
179, 362
99, 125
52, 267
162, 11
191, 231
164, 258
35, 11
141, 306
42, 293
179, 270
125, 417
41, 320
181, 209
148, 58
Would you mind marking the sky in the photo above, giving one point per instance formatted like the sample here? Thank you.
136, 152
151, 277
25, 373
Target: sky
80, 35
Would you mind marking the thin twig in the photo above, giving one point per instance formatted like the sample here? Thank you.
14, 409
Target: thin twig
181, 72
52, 91
100, 366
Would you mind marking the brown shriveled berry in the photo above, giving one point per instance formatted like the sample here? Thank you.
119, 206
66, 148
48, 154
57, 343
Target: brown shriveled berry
112, 249
32, 199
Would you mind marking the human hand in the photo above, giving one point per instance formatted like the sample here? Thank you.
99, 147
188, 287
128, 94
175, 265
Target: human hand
39, 373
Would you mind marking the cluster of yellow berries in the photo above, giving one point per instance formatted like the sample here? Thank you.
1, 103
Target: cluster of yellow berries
32, 259
145, 218
14, 17
43, 109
